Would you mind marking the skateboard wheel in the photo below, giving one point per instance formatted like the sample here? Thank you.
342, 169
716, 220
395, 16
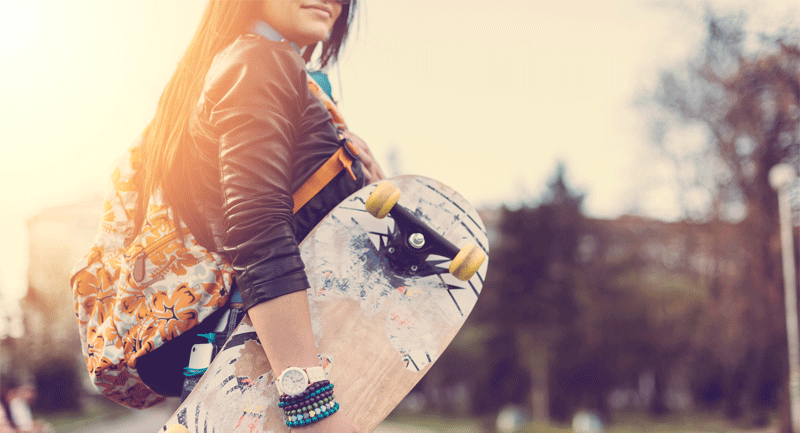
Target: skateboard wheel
467, 262
177, 428
382, 199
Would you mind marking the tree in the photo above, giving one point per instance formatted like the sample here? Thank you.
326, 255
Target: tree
531, 299
743, 92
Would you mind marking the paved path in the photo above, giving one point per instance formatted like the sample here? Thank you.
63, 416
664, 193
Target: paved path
145, 421
149, 421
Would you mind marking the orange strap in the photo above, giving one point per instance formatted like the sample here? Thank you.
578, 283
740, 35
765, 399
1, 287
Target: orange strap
341, 160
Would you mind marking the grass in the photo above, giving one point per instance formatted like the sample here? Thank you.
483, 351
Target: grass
698, 422
438, 423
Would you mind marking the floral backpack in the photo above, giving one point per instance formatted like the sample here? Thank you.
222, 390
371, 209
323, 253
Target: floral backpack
133, 292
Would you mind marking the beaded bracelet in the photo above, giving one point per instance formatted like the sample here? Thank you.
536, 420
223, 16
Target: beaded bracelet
315, 403
307, 410
313, 390
306, 406
312, 416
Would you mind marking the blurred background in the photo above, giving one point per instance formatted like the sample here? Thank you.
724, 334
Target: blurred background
619, 153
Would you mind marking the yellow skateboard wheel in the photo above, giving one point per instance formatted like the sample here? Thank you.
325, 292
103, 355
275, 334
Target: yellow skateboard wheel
177, 428
382, 199
467, 262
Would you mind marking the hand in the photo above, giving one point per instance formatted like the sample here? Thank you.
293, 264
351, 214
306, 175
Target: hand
336, 423
372, 171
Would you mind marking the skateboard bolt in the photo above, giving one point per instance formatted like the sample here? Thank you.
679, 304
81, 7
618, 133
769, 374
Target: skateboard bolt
391, 250
414, 268
417, 240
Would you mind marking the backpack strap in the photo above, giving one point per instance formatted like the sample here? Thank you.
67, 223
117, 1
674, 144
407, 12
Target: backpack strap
341, 160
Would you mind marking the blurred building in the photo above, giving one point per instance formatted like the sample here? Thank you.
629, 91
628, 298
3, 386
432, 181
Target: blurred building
665, 249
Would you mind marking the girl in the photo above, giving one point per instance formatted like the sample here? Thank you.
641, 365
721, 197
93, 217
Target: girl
237, 131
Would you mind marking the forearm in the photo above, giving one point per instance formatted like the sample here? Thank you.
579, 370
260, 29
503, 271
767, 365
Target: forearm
283, 325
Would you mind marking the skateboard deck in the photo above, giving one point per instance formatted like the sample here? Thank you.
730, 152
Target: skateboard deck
379, 323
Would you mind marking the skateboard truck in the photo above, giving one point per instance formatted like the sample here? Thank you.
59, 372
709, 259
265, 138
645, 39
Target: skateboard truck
413, 241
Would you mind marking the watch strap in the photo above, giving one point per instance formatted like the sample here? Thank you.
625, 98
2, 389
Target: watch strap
315, 374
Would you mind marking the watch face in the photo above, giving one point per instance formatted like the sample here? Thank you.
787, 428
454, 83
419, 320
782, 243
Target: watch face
293, 382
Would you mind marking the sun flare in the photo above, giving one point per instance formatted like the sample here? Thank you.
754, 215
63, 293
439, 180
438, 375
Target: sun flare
20, 22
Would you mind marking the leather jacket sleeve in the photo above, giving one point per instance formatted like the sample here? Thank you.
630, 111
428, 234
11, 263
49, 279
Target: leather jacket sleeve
253, 100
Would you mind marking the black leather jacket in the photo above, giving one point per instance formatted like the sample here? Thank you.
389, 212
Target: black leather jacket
258, 133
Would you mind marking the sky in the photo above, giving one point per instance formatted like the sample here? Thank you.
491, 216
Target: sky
485, 96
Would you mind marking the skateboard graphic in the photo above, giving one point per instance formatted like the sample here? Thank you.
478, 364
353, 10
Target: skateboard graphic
394, 272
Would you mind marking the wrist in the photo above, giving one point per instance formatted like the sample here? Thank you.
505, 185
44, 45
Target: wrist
295, 380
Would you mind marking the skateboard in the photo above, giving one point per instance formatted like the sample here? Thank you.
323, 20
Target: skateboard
394, 270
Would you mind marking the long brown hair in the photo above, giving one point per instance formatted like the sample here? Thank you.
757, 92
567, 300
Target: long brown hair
166, 161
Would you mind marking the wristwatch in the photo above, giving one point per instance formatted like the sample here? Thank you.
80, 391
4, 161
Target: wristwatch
294, 380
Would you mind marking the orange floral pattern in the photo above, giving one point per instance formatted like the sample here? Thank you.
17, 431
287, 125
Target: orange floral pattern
134, 293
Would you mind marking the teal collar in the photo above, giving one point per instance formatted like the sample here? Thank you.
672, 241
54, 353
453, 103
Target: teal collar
265, 30
324, 83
